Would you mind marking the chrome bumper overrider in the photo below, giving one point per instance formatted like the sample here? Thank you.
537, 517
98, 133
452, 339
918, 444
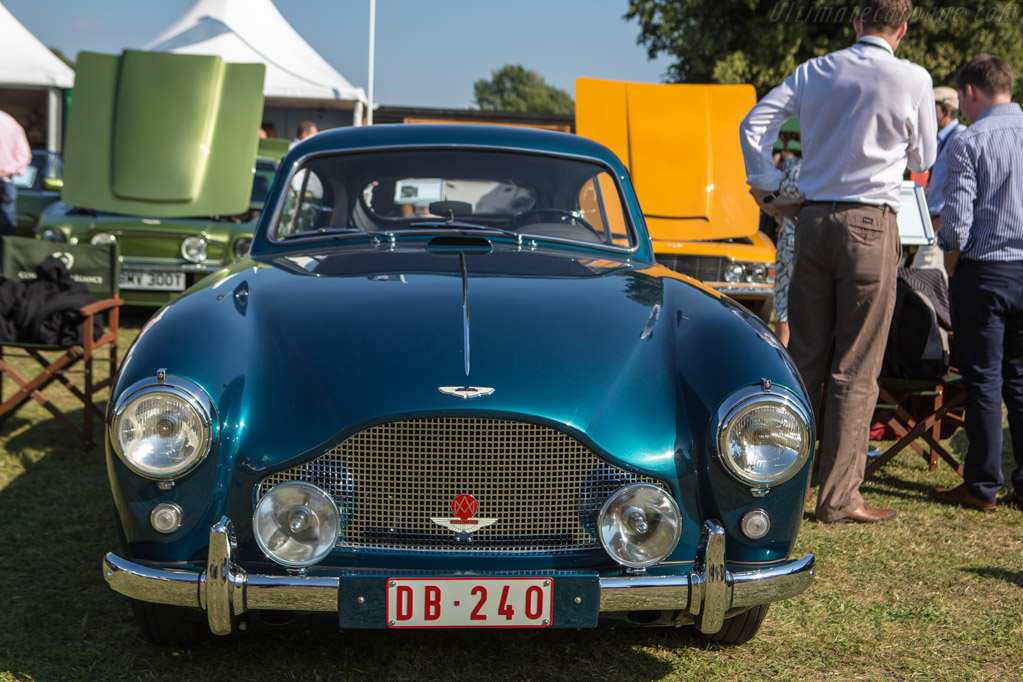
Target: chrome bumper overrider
225, 591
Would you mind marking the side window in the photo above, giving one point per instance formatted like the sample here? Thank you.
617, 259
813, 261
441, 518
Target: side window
601, 207
307, 205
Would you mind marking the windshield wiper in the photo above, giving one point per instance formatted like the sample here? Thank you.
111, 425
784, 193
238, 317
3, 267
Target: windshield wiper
333, 232
458, 225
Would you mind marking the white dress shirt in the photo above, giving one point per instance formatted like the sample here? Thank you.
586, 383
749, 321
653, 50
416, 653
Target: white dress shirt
863, 114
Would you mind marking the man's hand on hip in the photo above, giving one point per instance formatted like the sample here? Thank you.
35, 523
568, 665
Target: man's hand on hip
777, 205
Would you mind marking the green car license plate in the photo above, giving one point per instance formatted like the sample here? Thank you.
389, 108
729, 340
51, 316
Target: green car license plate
152, 280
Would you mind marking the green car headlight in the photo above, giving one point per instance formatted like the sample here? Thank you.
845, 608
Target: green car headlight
639, 525
194, 249
163, 428
764, 436
296, 524
242, 246
51, 235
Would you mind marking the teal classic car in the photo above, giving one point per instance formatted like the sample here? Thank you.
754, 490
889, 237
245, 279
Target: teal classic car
161, 256
38, 187
449, 387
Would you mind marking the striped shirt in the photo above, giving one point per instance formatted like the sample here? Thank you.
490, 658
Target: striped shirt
936, 183
983, 213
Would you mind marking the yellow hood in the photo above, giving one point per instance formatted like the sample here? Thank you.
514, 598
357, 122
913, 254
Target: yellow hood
681, 145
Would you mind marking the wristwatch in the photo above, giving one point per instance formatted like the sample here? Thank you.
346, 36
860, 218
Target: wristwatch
771, 197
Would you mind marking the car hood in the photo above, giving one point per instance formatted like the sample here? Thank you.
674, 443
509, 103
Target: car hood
303, 351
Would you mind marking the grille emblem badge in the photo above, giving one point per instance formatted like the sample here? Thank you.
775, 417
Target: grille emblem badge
464, 508
465, 392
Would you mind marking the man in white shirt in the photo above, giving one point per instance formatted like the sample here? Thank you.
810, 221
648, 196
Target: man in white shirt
863, 115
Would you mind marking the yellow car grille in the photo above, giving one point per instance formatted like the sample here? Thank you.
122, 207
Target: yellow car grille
541, 487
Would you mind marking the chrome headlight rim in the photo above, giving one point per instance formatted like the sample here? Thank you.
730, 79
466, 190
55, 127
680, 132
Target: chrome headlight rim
51, 234
743, 401
324, 498
241, 247
613, 498
192, 394
201, 246
103, 238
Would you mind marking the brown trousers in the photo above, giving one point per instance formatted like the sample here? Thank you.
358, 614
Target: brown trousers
842, 295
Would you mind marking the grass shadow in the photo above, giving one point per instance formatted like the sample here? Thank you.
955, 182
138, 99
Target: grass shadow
998, 573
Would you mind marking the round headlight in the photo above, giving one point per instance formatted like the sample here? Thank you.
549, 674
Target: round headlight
162, 430
756, 273
241, 247
102, 239
194, 249
296, 524
735, 273
639, 525
763, 438
52, 235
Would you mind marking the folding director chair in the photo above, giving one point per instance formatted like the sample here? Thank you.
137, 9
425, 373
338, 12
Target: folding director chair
97, 266
920, 396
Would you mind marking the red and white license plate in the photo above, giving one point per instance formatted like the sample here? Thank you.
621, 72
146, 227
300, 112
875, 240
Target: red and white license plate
470, 602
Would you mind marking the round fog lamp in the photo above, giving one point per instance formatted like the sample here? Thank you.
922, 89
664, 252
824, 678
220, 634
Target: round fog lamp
639, 525
194, 249
755, 524
165, 517
102, 239
296, 524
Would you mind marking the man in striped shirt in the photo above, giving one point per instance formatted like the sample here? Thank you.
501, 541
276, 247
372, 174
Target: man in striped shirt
982, 236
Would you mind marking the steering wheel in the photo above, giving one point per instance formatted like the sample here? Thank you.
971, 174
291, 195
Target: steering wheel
560, 216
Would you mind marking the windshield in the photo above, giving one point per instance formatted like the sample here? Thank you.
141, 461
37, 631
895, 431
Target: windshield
532, 195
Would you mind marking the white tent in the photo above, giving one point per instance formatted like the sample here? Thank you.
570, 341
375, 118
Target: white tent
254, 31
31, 77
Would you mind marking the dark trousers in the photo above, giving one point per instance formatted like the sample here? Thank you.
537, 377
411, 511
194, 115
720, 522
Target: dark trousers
987, 317
8, 207
841, 296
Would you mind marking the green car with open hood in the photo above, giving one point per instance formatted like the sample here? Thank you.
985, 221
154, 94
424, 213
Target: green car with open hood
161, 157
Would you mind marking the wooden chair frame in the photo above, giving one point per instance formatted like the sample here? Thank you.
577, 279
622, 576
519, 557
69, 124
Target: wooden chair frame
63, 364
896, 398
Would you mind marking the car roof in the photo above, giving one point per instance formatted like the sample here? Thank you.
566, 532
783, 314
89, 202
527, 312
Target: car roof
415, 134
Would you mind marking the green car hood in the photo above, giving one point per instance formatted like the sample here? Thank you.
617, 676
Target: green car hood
162, 135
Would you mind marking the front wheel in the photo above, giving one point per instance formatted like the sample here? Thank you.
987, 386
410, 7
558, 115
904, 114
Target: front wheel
166, 625
738, 629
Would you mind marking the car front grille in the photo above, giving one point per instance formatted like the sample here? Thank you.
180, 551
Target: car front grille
542, 486
703, 268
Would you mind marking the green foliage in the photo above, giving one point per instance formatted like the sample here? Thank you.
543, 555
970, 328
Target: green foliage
761, 42
516, 88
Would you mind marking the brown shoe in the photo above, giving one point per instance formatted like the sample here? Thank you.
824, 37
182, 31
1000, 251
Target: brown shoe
961, 496
867, 514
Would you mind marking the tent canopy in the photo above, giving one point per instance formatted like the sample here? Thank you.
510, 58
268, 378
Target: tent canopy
26, 62
254, 31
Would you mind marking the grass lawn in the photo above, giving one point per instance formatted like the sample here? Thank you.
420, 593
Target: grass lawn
936, 595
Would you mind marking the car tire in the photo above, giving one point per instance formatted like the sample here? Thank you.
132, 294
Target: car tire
165, 625
738, 629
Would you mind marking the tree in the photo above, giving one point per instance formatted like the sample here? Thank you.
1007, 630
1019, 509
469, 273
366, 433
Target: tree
62, 57
516, 88
760, 42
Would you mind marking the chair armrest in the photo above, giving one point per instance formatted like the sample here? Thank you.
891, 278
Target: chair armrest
100, 306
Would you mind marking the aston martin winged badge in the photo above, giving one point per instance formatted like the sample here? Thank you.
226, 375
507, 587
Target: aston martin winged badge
465, 392
464, 508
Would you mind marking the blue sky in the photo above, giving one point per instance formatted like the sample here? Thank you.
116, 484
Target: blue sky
428, 52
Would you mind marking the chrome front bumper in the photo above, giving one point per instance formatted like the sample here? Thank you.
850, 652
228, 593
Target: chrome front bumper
225, 591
